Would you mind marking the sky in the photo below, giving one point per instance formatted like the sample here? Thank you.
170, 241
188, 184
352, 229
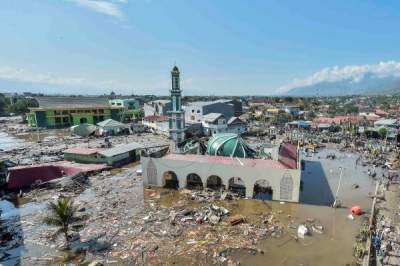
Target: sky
222, 47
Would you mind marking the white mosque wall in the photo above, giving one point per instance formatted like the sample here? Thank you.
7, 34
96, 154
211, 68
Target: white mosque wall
285, 183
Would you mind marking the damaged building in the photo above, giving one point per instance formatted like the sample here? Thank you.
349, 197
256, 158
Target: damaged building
229, 164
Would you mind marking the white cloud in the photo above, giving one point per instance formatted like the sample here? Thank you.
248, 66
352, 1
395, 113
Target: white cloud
354, 73
102, 6
22, 75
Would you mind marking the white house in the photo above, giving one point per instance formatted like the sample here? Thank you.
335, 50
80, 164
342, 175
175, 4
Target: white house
214, 123
387, 123
111, 126
236, 125
157, 124
196, 111
157, 108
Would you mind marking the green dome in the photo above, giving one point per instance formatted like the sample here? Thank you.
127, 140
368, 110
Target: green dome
229, 144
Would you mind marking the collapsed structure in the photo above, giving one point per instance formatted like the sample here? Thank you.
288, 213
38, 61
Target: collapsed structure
227, 166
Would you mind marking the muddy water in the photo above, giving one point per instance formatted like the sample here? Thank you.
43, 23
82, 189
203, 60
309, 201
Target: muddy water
8, 141
321, 179
44, 135
317, 249
334, 246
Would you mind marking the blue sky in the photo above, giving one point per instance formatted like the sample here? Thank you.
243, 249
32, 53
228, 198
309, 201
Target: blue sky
223, 47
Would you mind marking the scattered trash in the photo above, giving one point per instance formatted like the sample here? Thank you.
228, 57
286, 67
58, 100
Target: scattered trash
356, 210
317, 229
237, 220
302, 231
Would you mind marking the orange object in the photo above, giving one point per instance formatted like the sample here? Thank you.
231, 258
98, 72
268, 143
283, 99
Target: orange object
356, 210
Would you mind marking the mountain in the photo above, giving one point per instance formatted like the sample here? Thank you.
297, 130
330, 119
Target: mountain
369, 84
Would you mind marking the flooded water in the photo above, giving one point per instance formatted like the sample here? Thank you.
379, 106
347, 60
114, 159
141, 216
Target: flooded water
333, 247
8, 142
18, 218
317, 249
9, 210
43, 136
321, 180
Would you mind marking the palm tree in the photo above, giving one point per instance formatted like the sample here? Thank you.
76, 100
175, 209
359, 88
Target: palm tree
63, 213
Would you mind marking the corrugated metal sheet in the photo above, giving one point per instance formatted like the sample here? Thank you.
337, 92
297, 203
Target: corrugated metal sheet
288, 155
259, 163
121, 149
22, 176
111, 123
82, 151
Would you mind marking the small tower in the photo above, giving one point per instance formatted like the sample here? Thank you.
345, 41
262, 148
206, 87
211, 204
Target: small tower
176, 115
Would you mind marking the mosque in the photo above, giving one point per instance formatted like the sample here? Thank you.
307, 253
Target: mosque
226, 163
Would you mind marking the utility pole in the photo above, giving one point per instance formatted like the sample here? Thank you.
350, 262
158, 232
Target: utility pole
336, 203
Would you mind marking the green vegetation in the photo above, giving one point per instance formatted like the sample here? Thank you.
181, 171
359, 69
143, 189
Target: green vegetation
63, 214
16, 105
138, 114
21, 106
382, 132
3, 103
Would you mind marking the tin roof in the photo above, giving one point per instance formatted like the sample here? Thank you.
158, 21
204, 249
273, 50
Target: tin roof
111, 123
235, 120
288, 155
71, 102
120, 149
211, 117
258, 163
204, 103
386, 122
82, 151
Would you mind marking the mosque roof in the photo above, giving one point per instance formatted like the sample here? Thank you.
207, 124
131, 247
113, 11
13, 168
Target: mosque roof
229, 144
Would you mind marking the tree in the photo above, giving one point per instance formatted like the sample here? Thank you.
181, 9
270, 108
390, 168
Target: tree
311, 115
3, 103
63, 214
138, 114
22, 105
350, 109
382, 132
